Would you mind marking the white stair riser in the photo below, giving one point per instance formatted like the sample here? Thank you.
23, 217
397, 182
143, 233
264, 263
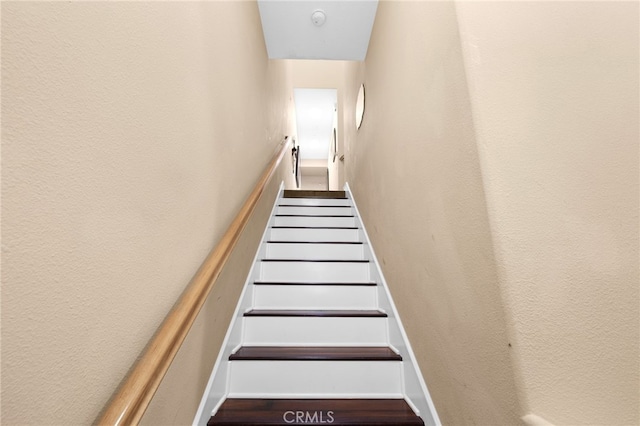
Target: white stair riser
314, 331
315, 378
314, 251
306, 234
318, 272
315, 201
318, 211
314, 297
314, 221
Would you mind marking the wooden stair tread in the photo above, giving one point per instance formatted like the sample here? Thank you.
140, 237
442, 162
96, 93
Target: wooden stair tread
363, 412
343, 313
313, 242
318, 260
291, 193
314, 353
314, 206
313, 215
312, 227
360, 283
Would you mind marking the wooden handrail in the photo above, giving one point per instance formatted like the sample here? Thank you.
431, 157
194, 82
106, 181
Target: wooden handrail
133, 397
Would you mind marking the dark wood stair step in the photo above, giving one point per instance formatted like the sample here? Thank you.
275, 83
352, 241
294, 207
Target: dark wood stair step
337, 412
289, 193
318, 260
313, 242
312, 227
313, 215
314, 353
361, 283
284, 204
341, 313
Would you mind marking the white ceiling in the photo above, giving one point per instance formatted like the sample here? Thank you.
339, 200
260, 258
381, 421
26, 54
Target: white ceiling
314, 118
290, 33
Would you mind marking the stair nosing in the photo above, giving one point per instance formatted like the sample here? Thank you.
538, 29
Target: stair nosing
338, 194
313, 206
315, 353
357, 283
313, 227
312, 242
317, 313
312, 215
318, 260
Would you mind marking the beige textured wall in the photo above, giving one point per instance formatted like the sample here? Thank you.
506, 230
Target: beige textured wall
554, 89
416, 176
179, 395
131, 134
497, 171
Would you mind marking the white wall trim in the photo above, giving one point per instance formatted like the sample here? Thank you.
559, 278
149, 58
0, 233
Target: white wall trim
533, 420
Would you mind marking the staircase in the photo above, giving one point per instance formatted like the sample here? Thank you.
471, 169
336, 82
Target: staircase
315, 338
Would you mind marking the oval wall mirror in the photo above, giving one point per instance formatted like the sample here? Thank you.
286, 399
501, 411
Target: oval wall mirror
360, 106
